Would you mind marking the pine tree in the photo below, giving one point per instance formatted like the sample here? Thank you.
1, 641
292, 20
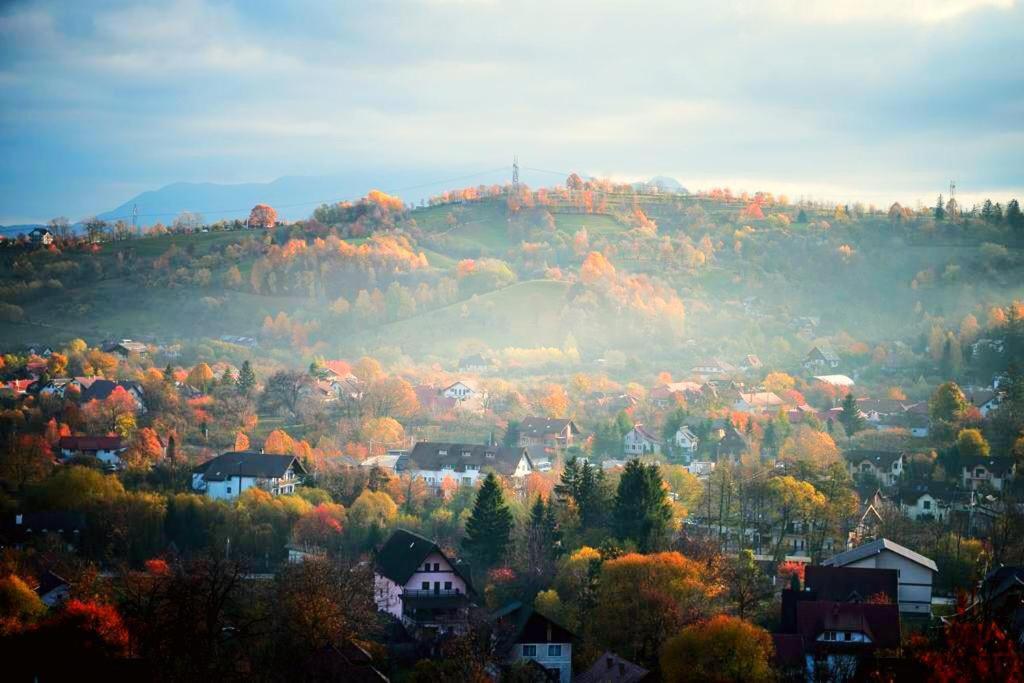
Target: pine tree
228, 378
246, 379
801, 216
642, 512
940, 209
851, 418
169, 374
489, 526
1014, 216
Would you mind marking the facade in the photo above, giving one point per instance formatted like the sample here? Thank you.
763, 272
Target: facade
638, 441
466, 464
548, 432
611, 668
921, 500
819, 358
41, 236
418, 584
916, 571
107, 449
125, 348
230, 474
460, 391
987, 472
686, 441
525, 635
886, 466
757, 402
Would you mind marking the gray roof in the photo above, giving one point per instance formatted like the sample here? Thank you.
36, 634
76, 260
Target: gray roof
882, 459
248, 464
542, 426
876, 547
433, 456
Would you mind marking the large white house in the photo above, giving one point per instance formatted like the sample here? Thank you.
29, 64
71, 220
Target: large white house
106, 449
466, 464
639, 441
421, 586
987, 472
526, 635
686, 441
229, 474
886, 466
915, 571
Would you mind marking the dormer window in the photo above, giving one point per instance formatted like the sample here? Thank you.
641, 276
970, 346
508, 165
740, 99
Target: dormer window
443, 451
490, 454
466, 454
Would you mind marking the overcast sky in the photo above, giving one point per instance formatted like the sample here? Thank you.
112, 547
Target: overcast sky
877, 100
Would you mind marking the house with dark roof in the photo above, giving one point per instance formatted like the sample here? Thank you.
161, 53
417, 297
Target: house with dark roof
466, 463
525, 635
474, 363
885, 466
926, 499
416, 582
230, 474
713, 367
839, 638
987, 472
732, 444
916, 572
611, 668
41, 236
23, 528
99, 389
820, 357
125, 348
106, 449
548, 431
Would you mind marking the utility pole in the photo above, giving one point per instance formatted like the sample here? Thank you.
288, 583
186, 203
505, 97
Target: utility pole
515, 173
135, 219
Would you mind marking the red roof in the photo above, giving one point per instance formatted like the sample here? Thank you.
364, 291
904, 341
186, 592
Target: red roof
19, 386
90, 443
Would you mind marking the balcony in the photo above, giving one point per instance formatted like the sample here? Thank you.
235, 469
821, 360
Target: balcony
434, 599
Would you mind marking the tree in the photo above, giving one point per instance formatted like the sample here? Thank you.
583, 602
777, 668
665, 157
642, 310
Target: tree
971, 444
747, 588
262, 216
489, 525
19, 605
145, 449
510, 438
940, 209
283, 391
201, 377
370, 515
57, 364
948, 403
555, 401
1014, 216
390, 397
642, 511
851, 418
779, 382
246, 379
583, 486
542, 541
721, 649
810, 448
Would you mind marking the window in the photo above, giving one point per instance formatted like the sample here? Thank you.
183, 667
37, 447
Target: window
229, 489
425, 585
927, 505
847, 635
437, 566
554, 650
529, 650
447, 585
426, 566
442, 452
979, 471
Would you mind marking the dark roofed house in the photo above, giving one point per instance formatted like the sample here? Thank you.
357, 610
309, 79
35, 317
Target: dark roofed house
526, 635
547, 431
611, 668
820, 357
99, 389
41, 236
229, 474
416, 582
125, 348
886, 466
853, 584
732, 444
466, 463
991, 472
916, 572
839, 637
24, 527
926, 499
474, 363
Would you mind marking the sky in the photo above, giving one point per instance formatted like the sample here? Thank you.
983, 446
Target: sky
846, 100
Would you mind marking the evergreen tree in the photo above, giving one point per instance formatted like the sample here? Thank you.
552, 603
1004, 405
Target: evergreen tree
851, 418
940, 209
1014, 216
489, 526
770, 442
584, 484
543, 541
642, 512
246, 379
169, 374
801, 216
228, 378
511, 436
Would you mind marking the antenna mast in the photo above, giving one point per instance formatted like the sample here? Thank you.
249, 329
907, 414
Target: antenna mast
515, 172
135, 219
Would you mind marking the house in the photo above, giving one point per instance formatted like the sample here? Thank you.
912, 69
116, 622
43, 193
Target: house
835, 381
712, 367
416, 582
916, 572
639, 441
852, 584
732, 444
611, 668
525, 635
125, 348
751, 362
466, 464
926, 500
549, 432
701, 468
106, 449
55, 387
431, 401
389, 462
41, 236
474, 363
1001, 598
52, 589
820, 358
685, 440
885, 466
838, 637
993, 472
229, 474
28, 526
462, 390
99, 389
18, 387
672, 393
985, 400
757, 402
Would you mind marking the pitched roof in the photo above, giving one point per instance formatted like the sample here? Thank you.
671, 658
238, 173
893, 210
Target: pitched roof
476, 360
403, 553
835, 380
761, 398
100, 389
876, 547
646, 435
880, 459
542, 426
248, 464
527, 625
852, 584
90, 443
825, 352
880, 622
912, 491
611, 668
732, 442
433, 456
995, 465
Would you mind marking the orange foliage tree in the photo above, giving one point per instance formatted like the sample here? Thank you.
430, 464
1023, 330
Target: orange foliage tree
262, 216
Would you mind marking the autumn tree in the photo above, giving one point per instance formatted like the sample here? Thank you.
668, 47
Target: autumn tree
948, 403
262, 216
747, 587
722, 649
283, 391
145, 449
970, 443
489, 525
201, 377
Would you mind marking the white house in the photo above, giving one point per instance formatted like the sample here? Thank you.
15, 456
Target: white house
466, 464
107, 449
41, 236
525, 634
229, 474
991, 472
926, 500
462, 390
686, 441
916, 571
712, 367
639, 441
701, 468
886, 466
417, 583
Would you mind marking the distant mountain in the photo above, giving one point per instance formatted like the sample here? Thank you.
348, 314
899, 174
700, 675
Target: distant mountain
668, 184
294, 197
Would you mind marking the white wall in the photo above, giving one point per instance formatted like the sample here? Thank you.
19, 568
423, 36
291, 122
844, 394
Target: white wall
562, 661
915, 581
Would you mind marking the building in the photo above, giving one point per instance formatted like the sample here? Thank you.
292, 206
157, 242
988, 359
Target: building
99, 389
757, 402
732, 444
916, 572
474, 363
41, 236
462, 390
885, 466
673, 393
991, 472
466, 464
229, 474
416, 582
548, 432
926, 500
611, 668
639, 441
685, 440
526, 635
838, 637
837, 381
820, 358
106, 449
853, 584
125, 348
713, 367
